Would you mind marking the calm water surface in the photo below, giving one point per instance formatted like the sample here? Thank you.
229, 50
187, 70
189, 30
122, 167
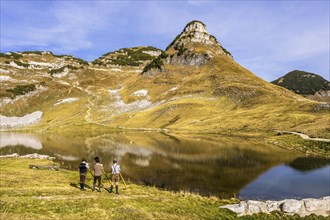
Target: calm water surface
217, 166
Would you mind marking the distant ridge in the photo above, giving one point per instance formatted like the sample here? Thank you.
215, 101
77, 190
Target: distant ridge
303, 83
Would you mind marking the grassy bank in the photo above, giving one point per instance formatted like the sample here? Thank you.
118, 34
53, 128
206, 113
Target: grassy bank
44, 194
293, 142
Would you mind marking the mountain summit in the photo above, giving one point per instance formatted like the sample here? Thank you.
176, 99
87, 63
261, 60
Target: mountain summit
195, 35
194, 46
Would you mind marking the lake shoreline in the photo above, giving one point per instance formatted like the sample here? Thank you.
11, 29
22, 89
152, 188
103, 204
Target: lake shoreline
287, 207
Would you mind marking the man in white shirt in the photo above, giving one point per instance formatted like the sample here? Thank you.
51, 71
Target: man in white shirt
115, 170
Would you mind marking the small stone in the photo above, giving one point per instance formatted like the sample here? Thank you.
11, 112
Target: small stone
292, 206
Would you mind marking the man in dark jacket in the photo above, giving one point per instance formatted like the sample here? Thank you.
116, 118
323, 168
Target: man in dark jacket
83, 167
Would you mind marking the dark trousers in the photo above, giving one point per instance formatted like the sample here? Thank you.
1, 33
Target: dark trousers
98, 178
82, 177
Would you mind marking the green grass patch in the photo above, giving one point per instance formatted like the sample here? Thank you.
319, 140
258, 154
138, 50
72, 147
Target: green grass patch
293, 142
31, 194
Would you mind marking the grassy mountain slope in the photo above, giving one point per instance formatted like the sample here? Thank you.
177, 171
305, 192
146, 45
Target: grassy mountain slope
196, 87
218, 97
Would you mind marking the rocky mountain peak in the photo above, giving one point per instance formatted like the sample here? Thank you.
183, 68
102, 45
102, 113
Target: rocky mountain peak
195, 31
195, 26
194, 46
194, 41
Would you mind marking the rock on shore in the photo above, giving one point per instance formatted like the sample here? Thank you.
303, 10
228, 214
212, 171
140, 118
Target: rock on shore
302, 207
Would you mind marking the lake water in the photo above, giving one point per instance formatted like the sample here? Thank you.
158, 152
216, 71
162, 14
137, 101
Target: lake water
218, 166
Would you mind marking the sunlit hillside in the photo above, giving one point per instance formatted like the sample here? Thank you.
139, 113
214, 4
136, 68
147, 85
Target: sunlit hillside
194, 86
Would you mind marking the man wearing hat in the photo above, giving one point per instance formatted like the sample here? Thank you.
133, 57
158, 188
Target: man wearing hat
115, 170
83, 167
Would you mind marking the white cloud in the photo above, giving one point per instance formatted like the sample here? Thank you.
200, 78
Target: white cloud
66, 26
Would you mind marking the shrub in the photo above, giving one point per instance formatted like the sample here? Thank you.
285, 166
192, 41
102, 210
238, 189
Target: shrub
60, 70
35, 52
19, 63
12, 55
22, 89
155, 63
127, 56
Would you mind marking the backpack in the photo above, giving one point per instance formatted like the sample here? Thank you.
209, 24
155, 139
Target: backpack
82, 168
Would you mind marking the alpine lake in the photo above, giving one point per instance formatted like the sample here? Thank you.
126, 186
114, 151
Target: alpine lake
224, 167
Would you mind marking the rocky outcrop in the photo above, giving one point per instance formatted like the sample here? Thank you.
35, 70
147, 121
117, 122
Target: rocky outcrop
302, 207
12, 122
190, 59
323, 93
194, 46
195, 32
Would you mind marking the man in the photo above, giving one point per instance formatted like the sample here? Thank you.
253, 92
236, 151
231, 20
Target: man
98, 171
115, 170
83, 167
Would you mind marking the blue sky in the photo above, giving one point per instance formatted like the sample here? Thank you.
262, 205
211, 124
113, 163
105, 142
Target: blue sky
270, 38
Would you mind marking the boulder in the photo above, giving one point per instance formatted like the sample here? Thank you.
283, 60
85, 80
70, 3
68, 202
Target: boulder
292, 206
237, 208
312, 205
273, 206
303, 207
255, 207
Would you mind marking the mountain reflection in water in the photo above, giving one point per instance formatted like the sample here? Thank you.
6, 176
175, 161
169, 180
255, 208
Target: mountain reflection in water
207, 165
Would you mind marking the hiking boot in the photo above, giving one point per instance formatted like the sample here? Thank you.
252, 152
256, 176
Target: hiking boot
117, 190
111, 188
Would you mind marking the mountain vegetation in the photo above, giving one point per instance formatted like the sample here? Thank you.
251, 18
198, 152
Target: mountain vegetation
304, 83
132, 57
